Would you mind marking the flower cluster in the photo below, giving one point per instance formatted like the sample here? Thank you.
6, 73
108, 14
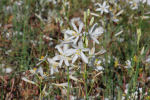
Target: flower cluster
73, 47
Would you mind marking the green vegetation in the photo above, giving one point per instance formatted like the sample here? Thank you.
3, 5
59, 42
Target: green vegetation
109, 62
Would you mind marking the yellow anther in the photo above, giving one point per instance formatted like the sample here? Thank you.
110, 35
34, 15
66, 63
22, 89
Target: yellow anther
134, 4
110, 9
34, 69
42, 57
96, 60
135, 58
74, 33
78, 53
54, 66
124, 94
116, 63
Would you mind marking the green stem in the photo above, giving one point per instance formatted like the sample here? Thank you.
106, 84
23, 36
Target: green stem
68, 89
85, 79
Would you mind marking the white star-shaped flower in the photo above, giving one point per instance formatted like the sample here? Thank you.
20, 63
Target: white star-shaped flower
53, 66
95, 32
75, 34
102, 8
78, 52
64, 55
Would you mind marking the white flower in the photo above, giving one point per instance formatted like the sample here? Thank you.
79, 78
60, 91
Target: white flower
92, 51
127, 89
148, 59
128, 64
64, 55
36, 71
53, 66
102, 8
140, 90
114, 16
66, 40
134, 5
41, 60
7, 70
95, 32
47, 37
98, 66
78, 52
8, 52
120, 39
106, 99
40, 71
76, 33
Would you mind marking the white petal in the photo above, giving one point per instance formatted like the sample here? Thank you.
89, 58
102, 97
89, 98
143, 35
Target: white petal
70, 38
49, 60
102, 12
98, 9
53, 70
76, 39
80, 27
106, 10
74, 27
52, 61
84, 58
92, 51
80, 44
92, 29
66, 62
75, 58
104, 4
148, 59
95, 40
40, 70
60, 63
107, 7
98, 31
57, 57
70, 52
65, 47
7, 70
59, 49
69, 32
85, 49
99, 68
